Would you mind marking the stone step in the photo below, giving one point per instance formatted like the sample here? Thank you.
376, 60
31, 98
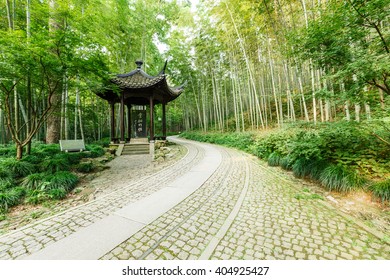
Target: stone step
136, 149
135, 152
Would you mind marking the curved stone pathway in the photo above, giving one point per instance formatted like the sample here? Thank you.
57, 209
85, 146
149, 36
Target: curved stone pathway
215, 203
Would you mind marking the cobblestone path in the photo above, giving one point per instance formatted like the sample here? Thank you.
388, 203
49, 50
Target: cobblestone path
245, 210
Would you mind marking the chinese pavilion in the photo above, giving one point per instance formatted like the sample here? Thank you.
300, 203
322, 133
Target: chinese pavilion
138, 89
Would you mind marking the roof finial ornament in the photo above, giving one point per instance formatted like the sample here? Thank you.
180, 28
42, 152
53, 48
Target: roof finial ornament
139, 63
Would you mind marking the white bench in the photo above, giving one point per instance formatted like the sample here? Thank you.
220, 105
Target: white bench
72, 145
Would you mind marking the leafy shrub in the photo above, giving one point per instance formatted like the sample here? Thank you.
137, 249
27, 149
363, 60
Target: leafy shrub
273, 142
104, 142
57, 193
301, 167
10, 198
36, 196
381, 190
7, 150
5, 174
18, 168
85, 167
62, 180
274, 159
53, 186
33, 159
47, 150
306, 144
286, 163
316, 167
57, 163
337, 177
34, 181
94, 151
242, 140
6, 184
72, 158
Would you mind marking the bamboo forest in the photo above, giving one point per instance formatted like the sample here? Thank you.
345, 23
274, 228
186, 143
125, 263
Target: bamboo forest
300, 84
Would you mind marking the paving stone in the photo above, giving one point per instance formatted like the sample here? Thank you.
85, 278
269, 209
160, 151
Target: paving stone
270, 223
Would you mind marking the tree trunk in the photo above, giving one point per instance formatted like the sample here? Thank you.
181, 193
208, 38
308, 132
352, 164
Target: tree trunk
19, 151
54, 118
357, 112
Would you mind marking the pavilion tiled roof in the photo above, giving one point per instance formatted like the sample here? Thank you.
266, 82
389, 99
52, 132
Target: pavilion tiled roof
137, 85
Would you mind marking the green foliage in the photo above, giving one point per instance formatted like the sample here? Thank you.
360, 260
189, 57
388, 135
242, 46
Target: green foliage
85, 167
381, 190
5, 174
7, 150
72, 158
33, 159
301, 167
47, 150
242, 141
16, 167
57, 163
332, 153
273, 142
62, 180
52, 186
316, 169
286, 162
57, 193
338, 178
36, 196
104, 142
34, 181
10, 198
94, 151
274, 159
305, 196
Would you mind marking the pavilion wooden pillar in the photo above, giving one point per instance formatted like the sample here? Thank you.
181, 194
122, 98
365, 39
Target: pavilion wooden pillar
129, 122
112, 121
164, 122
122, 114
151, 118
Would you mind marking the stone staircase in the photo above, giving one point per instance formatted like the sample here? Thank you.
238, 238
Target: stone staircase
137, 146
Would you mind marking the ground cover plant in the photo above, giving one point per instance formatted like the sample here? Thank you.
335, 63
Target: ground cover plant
341, 156
46, 174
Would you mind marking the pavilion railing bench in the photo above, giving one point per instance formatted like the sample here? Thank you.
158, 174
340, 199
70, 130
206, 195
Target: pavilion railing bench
72, 145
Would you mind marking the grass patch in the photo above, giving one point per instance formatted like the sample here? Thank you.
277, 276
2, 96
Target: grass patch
57, 163
33, 181
85, 167
11, 198
306, 196
338, 178
94, 151
381, 190
18, 168
286, 163
62, 180
274, 159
